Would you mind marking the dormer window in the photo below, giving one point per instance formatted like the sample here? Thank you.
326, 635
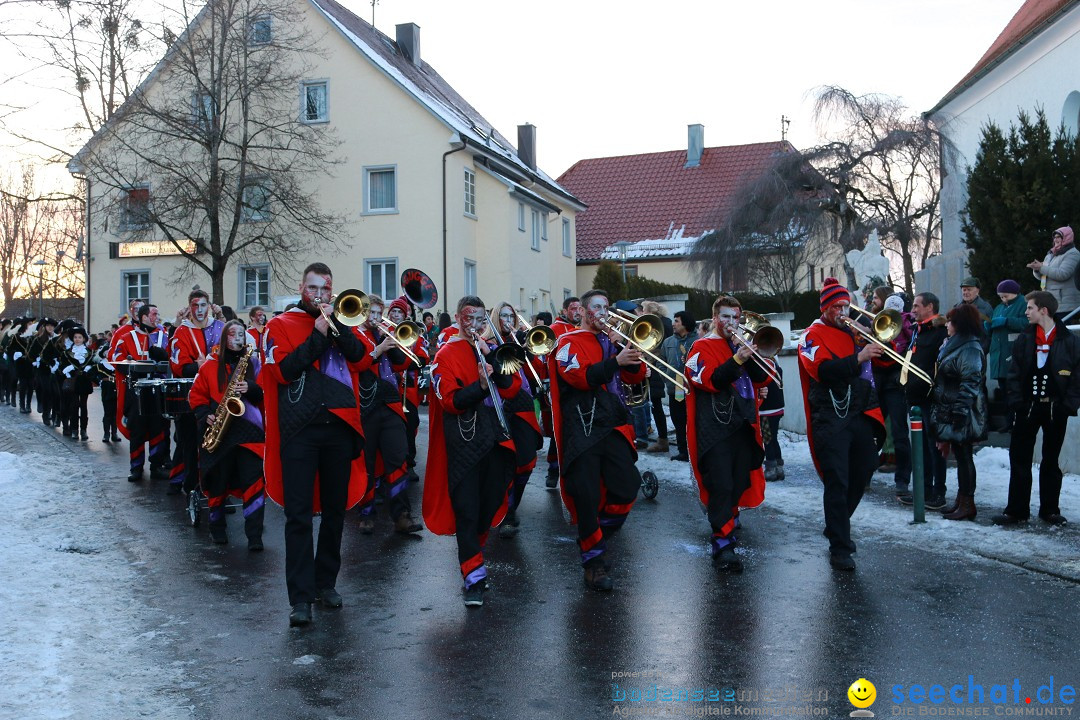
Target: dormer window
260, 30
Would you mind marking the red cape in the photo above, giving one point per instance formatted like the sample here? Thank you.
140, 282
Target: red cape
206, 389
121, 380
284, 333
819, 343
454, 368
707, 354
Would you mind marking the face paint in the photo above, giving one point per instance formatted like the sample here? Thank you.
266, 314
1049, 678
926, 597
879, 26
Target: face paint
199, 307
260, 318
835, 312
315, 291
236, 341
374, 316
506, 320
574, 313
596, 312
727, 321
473, 319
152, 317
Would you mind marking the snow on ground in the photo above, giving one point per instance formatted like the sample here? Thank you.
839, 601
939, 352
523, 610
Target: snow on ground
1035, 545
65, 591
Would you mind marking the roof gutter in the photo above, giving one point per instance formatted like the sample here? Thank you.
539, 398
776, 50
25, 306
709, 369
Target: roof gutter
457, 146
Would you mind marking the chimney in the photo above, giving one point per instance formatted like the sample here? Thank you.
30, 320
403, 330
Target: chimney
695, 144
408, 41
526, 145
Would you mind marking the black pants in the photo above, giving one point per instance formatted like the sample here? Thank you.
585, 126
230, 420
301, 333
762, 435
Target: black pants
386, 433
412, 426
142, 429
934, 467
43, 382
326, 449
185, 469
965, 467
656, 391
678, 419
108, 406
77, 416
1052, 421
847, 457
725, 471
894, 404
475, 498
604, 472
772, 447
239, 473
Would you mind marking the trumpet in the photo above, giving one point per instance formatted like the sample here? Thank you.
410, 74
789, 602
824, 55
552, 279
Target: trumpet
351, 308
768, 339
886, 325
405, 334
645, 333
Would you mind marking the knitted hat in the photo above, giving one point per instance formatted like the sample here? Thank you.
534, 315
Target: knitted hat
833, 292
401, 304
894, 302
1009, 286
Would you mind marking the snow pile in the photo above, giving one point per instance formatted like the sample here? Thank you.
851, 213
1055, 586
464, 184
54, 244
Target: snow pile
71, 642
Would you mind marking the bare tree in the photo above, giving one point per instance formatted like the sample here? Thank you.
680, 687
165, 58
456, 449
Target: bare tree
212, 155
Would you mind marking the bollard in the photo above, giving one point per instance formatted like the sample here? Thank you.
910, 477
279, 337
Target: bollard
917, 480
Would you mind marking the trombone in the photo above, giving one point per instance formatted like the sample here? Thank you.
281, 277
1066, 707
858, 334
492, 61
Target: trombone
405, 334
645, 333
887, 324
769, 341
351, 308
539, 340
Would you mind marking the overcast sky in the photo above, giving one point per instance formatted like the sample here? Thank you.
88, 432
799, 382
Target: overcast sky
600, 77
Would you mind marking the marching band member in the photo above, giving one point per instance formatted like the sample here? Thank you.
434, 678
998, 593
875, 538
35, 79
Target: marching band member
126, 324
235, 465
77, 371
723, 428
256, 330
844, 425
470, 456
42, 355
104, 376
138, 344
410, 391
199, 331
22, 373
567, 321
314, 441
382, 416
594, 436
521, 414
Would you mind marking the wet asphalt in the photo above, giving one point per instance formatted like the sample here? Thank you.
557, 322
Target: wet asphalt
404, 645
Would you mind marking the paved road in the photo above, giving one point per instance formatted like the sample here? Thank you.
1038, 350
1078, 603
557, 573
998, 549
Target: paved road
213, 620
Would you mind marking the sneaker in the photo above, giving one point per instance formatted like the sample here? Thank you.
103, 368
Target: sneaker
905, 498
136, 475
935, 502
474, 595
596, 578
1054, 519
727, 561
842, 562
330, 598
300, 615
1006, 519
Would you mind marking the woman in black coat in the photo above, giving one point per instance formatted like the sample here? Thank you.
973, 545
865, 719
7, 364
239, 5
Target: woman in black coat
959, 411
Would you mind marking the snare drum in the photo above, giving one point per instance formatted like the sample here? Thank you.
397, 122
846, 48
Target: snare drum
174, 396
148, 393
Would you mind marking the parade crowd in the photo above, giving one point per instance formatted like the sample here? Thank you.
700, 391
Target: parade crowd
318, 408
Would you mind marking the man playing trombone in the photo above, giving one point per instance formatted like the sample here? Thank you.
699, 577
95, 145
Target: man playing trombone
723, 427
593, 431
843, 422
470, 461
382, 414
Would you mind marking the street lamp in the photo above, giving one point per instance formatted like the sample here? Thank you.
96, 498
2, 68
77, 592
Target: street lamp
41, 288
622, 245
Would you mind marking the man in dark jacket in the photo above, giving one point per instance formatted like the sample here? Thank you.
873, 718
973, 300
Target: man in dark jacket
926, 340
1043, 389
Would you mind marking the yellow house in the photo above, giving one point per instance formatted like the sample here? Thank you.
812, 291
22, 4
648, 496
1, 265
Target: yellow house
419, 179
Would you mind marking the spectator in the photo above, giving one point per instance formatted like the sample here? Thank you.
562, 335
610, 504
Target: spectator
1009, 317
958, 413
543, 318
891, 396
657, 382
771, 409
673, 351
1055, 272
928, 335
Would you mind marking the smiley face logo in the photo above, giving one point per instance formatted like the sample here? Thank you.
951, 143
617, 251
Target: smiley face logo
862, 693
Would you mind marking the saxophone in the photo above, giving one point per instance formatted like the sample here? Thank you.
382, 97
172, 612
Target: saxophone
231, 405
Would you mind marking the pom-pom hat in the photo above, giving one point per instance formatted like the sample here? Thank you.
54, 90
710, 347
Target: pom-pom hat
833, 292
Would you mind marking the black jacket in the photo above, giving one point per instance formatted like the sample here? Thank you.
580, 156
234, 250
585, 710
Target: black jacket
932, 334
958, 413
1064, 364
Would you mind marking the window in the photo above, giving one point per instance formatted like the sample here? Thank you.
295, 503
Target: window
631, 271
543, 226
566, 292
255, 202
380, 189
566, 237
203, 111
521, 217
470, 193
135, 213
470, 277
254, 285
313, 105
260, 30
135, 284
382, 277
536, 230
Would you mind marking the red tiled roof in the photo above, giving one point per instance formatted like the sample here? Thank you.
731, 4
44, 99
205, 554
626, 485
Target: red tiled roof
1028, 20
638, 197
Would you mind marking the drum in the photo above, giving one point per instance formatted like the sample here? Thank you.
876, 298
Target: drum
174, 396
148, 393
